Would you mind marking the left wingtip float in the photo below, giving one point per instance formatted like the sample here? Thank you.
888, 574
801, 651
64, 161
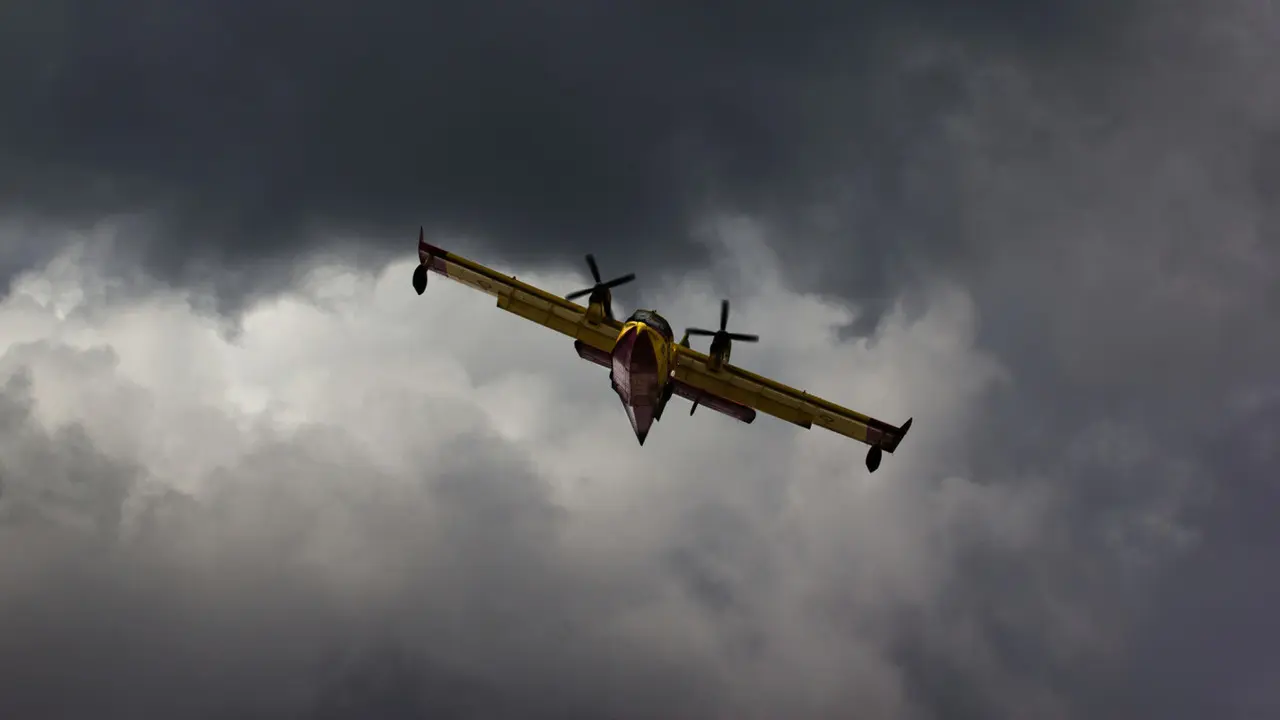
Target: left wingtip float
420, 279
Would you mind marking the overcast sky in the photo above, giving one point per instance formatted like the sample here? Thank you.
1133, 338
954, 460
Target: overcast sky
245, 471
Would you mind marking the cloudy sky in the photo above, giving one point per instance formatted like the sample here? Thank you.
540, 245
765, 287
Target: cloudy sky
246, 472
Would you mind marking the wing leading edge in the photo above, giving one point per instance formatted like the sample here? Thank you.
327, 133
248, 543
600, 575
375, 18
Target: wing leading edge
518, 298
787, 403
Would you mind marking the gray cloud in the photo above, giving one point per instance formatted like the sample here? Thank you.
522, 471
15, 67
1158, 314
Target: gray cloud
1099, 184
255, 529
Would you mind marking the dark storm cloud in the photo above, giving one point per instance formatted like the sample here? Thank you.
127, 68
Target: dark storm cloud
546, 129
1122, 244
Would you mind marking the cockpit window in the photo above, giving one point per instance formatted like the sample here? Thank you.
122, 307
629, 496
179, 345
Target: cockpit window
653, 320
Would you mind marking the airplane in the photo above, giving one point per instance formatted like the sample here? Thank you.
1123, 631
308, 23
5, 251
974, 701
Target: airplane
647, 366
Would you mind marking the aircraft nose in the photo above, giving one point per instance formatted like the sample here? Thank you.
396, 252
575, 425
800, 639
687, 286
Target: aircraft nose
641, 418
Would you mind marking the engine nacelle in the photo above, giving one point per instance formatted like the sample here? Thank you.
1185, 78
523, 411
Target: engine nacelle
420, 278
717, 356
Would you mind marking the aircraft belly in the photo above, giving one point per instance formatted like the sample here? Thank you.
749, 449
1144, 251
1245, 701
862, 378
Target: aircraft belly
637, 381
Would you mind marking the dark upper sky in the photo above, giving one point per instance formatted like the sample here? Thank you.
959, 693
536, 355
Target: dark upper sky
1103, 177
547, 130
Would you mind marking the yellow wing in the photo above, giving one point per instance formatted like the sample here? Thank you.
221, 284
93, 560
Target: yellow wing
795, 406
586, 324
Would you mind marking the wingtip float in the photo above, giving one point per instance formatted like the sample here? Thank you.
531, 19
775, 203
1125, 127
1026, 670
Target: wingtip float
647, 366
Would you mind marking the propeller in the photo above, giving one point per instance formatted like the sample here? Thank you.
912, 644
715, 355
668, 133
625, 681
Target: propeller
721, 335
600, 286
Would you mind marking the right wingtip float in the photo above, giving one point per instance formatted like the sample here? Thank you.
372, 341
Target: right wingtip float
646, 364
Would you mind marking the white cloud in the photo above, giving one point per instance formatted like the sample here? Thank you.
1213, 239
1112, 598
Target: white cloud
361, 462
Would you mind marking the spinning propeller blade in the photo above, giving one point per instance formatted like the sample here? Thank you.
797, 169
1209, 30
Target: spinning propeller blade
722, 333
599, 284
